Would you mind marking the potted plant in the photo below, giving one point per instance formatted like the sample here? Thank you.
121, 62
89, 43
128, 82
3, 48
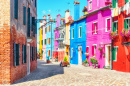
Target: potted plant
100, 48
92, 61
48, 59
65, 62
113, 35
103, 54
96, 63
86, 63
71, 58
125, 33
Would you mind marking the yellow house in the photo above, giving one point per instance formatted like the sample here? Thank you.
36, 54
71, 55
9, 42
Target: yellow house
40, 41
67, 34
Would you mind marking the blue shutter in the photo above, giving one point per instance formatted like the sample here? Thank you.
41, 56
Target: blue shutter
14, 54
24, 15
23, 54
31, 23
28, 33
35, 3
16, 9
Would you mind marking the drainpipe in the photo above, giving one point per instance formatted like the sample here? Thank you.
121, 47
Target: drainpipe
112, 47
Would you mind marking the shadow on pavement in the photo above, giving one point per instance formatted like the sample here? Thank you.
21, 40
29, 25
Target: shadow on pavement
43, 71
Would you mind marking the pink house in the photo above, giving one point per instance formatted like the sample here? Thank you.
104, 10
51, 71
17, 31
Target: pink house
98, 44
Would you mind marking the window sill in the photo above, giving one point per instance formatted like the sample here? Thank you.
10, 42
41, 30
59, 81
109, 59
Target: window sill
94, 33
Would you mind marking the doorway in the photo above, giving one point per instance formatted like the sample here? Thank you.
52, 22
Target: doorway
28, 59
80, 55
108, 56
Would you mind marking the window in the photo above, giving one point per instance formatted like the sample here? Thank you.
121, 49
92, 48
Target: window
108, 26
16, 9
49, 27
28, 30
115, 27
16, 54
93, 50
80, 32
55, 35
94, 28
45, 41
126, 1
49, 53
87, 49
46, 30
71, 52
24, 15
114, 3
115, 50
24, 53
127, 24
42, 42
72, 33
35, 3
90, 5
31, 53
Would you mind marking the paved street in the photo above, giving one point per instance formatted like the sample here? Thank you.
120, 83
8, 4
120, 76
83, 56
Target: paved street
54, 75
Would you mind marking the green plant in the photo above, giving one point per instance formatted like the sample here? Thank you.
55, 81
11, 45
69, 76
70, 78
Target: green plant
85, 61
100, 48
65, 59
71, 57
93, 60
48, 58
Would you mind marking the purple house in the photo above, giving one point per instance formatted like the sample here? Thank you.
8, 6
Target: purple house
98, 43
56, 36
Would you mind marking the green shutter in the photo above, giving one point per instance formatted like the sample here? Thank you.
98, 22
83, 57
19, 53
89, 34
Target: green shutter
17, 54
80, 31
16, 9
14, 54
126, 1
114, 27
114, 53
42, 42
114, 3
126, 24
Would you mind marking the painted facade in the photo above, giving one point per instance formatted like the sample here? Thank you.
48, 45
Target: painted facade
77, 36
121, 50
98, 30
40, 41
50, 39
18, 38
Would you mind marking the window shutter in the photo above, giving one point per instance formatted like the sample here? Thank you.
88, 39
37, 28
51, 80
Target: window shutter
36, 53
42, 42
92, 50
16, 9
31, 23
93, 29
108, 24
35, 3
114, 53
31, 53
126, 1
126, 24
87, 49
114, 3
14, 54
25, 50
17, 54
80, 31
28, 22
23, 54
24, 15
97, 27
114, 27
49, 40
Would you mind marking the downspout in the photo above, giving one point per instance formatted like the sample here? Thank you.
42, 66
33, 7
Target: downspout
112, 46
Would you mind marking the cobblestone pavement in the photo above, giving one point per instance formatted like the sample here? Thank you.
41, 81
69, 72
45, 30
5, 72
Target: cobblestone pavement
54, 75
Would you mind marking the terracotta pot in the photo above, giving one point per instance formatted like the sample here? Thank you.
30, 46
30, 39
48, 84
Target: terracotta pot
48, 61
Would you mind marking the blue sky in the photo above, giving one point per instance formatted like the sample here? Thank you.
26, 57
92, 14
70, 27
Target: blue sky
55, 7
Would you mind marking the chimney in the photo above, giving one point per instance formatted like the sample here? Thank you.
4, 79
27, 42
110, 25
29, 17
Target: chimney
44, 21
76, 10
67, 14
58, 20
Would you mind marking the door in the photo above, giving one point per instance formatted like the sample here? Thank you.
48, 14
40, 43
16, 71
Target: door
107, 55
80, 55
28, 58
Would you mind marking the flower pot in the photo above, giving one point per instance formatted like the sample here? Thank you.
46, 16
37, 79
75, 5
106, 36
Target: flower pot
86, 64
48, 61
87, 54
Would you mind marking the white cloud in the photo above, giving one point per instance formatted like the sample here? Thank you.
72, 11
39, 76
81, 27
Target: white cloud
43, 11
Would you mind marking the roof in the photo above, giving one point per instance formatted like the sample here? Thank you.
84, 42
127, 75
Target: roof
91, 13
76, 2
67, 11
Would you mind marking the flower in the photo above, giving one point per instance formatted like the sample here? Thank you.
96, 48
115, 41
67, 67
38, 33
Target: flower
113, 35
125, 33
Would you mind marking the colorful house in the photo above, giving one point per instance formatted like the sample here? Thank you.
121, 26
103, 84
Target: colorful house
40, 40
121, 41
98, 44
44, 38
18, 42
78, 36
59, 38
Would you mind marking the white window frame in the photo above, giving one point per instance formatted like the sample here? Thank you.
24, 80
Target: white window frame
116, 3
116, 52
91, 5
116, 26
106, 24
79, 31
72, 33
128, 22
88, 48
95, 45
95, 28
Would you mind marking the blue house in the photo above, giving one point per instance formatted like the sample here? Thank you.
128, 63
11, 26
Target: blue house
50, 39
78, 36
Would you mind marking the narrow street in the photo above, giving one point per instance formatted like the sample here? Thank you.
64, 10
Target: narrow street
54, 75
